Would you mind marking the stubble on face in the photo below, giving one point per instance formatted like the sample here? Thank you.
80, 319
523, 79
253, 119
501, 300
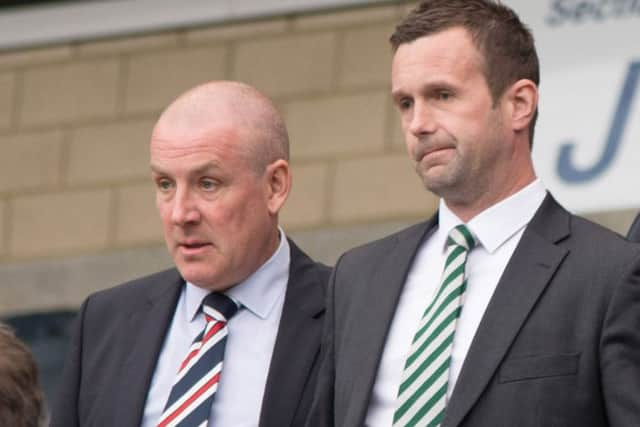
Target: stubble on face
452, 128
462, 173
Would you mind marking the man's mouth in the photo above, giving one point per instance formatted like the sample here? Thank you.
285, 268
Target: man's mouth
192, 245
425, 151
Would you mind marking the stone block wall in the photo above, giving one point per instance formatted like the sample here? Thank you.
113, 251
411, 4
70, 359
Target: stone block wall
76, 203
75, 120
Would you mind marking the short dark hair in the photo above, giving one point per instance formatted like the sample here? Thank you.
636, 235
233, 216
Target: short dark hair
21, 400
504, 42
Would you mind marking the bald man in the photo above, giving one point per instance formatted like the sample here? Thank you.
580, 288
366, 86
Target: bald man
229, 337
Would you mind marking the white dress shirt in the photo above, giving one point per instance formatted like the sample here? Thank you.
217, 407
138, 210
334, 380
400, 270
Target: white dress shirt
498, 231
247, 356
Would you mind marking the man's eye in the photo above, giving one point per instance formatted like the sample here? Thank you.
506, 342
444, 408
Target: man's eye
164, 184
444, 95
404, 104
208, 184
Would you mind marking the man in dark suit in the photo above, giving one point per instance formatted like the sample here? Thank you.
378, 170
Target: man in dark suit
219, 161
503, 310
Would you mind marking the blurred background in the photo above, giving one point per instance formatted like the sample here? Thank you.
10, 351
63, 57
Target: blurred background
82, 82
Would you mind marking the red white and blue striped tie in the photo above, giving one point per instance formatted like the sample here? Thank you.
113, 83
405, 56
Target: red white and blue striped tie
192, 393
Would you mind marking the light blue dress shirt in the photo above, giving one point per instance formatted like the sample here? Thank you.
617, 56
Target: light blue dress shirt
252, 335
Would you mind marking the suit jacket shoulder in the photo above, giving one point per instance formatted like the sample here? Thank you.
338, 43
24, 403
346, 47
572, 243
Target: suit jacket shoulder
369, 255
304, 270
557, 344
129, 296
119, 332
294, 363
119, 335
596, 247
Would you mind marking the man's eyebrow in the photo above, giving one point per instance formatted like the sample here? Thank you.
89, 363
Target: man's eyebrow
205, 167
397, 92
155, 169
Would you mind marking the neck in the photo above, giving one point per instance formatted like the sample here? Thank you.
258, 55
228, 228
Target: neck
467, 210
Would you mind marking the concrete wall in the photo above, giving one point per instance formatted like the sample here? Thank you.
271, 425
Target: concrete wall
76, 201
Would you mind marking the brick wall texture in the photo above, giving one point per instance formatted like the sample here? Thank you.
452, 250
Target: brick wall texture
75, 121
77, 208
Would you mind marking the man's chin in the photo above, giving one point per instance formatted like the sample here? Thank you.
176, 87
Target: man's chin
205, 279
436, 185
202, 282
194, 273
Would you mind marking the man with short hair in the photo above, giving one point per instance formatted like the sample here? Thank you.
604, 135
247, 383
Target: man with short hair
503, 309
231, 336
21, 400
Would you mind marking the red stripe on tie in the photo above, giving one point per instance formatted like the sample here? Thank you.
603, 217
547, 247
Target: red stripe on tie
213, 331
206, 386
206, 338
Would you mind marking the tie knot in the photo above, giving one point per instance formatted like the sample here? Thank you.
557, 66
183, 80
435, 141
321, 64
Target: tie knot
461, 236
219, 306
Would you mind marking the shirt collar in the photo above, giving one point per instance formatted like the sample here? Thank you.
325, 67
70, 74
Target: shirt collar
495, 225
259, 292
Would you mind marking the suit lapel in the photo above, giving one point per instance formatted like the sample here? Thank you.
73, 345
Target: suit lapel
526, 276
145, 331
298, 341
376, 306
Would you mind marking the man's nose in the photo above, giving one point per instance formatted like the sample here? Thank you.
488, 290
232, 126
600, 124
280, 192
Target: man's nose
422, 121
185, 209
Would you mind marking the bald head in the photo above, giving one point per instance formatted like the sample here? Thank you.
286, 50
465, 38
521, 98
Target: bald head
219, 163
233, 107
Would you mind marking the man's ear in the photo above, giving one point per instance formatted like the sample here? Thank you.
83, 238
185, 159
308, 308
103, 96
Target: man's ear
278, 184
522, 98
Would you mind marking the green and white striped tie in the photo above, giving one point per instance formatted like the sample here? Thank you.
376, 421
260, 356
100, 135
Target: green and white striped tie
423, 390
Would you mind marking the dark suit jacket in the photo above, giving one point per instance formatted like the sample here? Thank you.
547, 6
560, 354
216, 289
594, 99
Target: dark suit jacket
120, 332
634, 231
558, 346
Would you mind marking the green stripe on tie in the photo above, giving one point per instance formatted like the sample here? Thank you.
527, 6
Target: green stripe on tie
423, 390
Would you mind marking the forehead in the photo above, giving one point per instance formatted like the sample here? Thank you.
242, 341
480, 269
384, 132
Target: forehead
187, 148
449, 54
